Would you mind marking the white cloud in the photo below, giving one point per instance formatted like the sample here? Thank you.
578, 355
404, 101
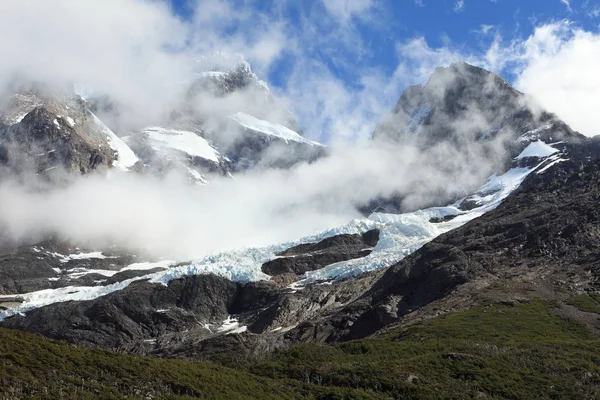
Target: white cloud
557, 64
95, 43
459, 6
104, 46
567, 4
136, 51
141, 54
485, 29
560, 68
345, 10
593, 12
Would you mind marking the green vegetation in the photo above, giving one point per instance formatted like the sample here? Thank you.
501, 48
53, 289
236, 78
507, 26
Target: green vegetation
33, 367
521, 352
488, 352
587, 303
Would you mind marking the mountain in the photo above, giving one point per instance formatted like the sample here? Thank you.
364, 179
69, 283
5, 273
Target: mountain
462, 104
49, 134
493, 294
235, 112
372, 284
225, 122
464, 121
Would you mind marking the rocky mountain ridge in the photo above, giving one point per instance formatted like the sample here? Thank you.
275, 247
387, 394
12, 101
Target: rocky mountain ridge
467, 113
41, 134
226, 121
529, 232
462, 104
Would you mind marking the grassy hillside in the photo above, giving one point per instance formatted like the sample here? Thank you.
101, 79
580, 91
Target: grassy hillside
489, 352
521, 352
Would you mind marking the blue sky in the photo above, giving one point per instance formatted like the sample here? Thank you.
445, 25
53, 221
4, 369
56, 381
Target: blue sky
350, 60
470, 25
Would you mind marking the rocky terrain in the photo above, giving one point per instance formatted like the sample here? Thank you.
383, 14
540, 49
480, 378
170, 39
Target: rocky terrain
226, 121
462, 104
236, 113
526, 238
468, 111
538, 243
48, 136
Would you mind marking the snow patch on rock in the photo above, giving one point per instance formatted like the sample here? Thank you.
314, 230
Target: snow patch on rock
126, 158
537, 149
163, 139
270, 129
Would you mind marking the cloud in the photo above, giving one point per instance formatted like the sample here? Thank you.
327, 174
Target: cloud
485, 29
110, 47
345, 10
559, 67
96, 44
556, 64
419, 60
219, 25
567, 4
172, 219
591, 11
137, 52
459, 6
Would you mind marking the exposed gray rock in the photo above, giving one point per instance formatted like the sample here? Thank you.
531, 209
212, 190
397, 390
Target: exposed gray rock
43, 142
312, 256
464, 116
45, 265
544, 234
462, 104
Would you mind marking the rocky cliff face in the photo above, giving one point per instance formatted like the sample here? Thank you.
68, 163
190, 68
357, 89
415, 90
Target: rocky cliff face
236, 85
52, 135
239, 115
50, 264
229, 109
50, 131
462, 104
464, 118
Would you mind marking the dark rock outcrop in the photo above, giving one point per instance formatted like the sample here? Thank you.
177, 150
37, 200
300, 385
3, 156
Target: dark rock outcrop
46, 265
142, 311
42, 142
312, 256
188, 316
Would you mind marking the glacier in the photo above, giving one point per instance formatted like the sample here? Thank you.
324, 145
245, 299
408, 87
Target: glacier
400, 236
